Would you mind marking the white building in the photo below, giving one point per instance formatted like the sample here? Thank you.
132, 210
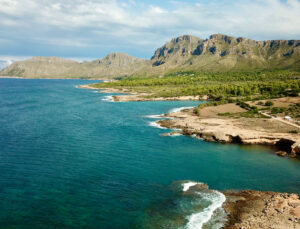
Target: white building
288, 118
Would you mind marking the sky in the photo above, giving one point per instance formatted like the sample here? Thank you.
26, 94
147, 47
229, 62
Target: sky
90, 29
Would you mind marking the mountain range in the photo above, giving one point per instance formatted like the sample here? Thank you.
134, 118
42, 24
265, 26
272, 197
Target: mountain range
219, 53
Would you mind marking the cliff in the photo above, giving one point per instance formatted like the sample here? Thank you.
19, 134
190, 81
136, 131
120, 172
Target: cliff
224, 53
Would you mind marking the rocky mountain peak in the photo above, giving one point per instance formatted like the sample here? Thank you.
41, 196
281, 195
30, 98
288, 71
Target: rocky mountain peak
180, 46
119, 59
226, 52
221, 37
185, 38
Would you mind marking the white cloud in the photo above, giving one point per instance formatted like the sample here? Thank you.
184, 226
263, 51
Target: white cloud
5, 61
157, 10
91, 23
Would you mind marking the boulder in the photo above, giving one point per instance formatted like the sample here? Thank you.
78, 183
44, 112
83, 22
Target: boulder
296, 148
281, 153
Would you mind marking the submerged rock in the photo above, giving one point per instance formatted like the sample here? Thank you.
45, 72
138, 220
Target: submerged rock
281, 153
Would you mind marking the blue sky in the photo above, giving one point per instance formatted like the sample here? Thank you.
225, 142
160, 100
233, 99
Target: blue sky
89, 29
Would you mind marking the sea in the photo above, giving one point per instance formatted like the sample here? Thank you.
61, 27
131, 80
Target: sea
72, 158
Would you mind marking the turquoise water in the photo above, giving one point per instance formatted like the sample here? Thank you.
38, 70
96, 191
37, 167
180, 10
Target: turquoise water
70, 160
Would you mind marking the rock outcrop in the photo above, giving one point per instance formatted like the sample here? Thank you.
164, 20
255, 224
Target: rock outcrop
242, 131
225, 53
255, 209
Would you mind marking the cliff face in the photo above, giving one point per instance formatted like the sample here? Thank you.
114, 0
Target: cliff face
189, 53
113, 65
225, 53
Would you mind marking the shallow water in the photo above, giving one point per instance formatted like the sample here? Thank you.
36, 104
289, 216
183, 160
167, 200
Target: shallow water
70, 159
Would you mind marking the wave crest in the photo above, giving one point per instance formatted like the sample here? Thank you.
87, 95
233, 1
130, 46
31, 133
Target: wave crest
108, 98
179, 109
156, 125
197, 220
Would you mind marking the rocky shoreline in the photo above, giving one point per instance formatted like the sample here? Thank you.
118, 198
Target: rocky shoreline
250, 209
217, 129
130, 96
245, 209
229, 130
256, 209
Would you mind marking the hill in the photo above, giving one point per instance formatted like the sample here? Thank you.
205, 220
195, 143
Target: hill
219, 53
113, 65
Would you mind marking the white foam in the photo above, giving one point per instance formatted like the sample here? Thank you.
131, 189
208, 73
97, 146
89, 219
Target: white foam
176, 110
108, 98
196, 220
156, 125
176, 129
186, 186
154, 116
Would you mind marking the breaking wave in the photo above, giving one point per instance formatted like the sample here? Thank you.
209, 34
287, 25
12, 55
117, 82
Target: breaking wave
188, 205
155, 116
156, 125
108, 98
175, 110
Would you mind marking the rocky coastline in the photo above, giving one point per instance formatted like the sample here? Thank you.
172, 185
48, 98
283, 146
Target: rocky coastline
250, 209
130, 96
246, 209
229, 130
213, 128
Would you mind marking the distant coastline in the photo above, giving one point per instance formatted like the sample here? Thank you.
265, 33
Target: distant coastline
54, 78
130, 96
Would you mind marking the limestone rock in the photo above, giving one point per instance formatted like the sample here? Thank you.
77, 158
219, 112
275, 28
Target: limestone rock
281, 153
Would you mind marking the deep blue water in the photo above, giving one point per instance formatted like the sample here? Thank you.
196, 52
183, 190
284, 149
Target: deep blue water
70, 160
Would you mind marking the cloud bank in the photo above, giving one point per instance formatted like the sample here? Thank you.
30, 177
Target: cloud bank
93, 28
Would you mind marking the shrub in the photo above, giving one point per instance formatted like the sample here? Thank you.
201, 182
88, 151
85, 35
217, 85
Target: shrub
269, 103
276, 110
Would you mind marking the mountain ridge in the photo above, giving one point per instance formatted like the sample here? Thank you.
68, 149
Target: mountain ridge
113, 65
221, 53
226, 53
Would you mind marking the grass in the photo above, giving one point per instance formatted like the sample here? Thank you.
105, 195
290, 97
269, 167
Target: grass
247, 114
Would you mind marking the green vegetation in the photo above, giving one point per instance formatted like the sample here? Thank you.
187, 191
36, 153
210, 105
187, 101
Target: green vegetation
252, 112
277, 110
269, 84
260, 103
292, 110
221, 88
248, 114
269, 103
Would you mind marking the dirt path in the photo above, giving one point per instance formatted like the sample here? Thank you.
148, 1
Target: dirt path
281, 120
